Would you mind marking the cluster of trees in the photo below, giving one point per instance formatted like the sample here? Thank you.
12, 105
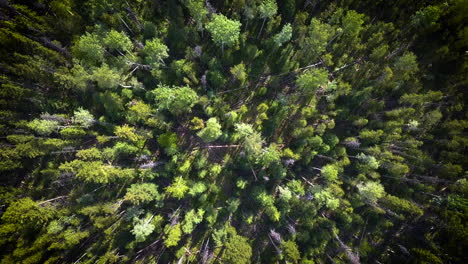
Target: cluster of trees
258, 131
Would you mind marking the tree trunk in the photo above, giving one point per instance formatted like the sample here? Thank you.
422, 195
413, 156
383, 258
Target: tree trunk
353, 258
263, 23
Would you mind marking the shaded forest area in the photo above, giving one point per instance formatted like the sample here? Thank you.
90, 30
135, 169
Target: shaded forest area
261, 131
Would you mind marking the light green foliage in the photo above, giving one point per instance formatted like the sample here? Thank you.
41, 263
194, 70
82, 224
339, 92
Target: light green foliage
106, 77
162, 137
372, 136
72, 132
239, 72
406, 66
311, 80
253, 144
267, 8
379, 52
177, 100
283, 36
371, 191
123, 149
285, 193
138, 111
197, 188
155, 52
96, 171
142, 193
237, 249
19, 138
426, 17
267, 202
186, 166
432, 118
215, 169
241, 184
270, 155
169, 142
332, 140
118, 41
316, 142
400, 205
192, 219
185, 70
196, 123
224, 32
420, 99
290, 251
83, 118
43, 127
74, 78
172, 235
89, 49
89, 154
397, 169
69, 238
219, 236
178, 188
352, 24
413, 125
197, 11
126, 132
401, 112
425, 256
360, 122
112, 103
251, 140
244, 130
212, 131
326, 197
24, 212
296, 187
233, 205
369, 160
142, 229
54, 227
127, 93
317, 38
330, 172
262, 108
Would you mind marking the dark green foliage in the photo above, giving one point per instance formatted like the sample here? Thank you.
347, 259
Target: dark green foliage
236, 131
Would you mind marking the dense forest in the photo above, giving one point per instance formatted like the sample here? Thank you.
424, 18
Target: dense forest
237, 131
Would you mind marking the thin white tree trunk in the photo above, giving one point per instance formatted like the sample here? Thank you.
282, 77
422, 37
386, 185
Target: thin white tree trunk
263, 23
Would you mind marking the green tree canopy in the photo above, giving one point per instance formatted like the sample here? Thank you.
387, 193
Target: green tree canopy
212, 130
283, 36
178, 188
177, 100
89, 49
371, 191
118, 41
155, 52
237, 249
142, 193
311, 80
224, 32
330, 172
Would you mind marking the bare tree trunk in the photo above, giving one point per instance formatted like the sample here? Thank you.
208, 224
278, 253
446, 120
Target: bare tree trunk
263, 23
223, 146
53, 199
353, 258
